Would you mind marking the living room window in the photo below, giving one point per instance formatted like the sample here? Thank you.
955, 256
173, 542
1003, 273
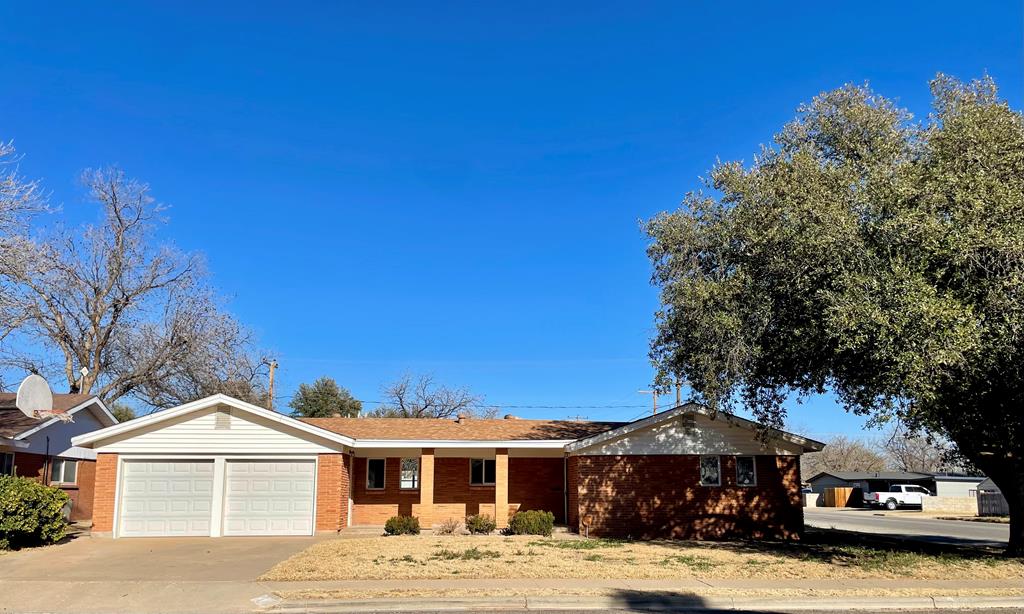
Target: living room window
6, 463
63, 471
375, 473
710, 471
481, 472
410, 474
746, 472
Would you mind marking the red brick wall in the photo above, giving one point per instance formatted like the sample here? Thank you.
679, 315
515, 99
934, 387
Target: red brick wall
332, 482
105, 489
537, 484
374, 507
533, 484
30, 465
572, 484
661, 496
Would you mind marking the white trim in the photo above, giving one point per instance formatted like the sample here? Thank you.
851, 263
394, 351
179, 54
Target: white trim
77, 408
809, 445
13, 443
210, 401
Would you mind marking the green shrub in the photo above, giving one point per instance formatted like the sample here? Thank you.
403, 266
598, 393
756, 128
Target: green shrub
402, 525
533, 522
480, 524
30, 513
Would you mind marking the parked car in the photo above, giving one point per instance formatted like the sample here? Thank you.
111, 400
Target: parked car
898, 495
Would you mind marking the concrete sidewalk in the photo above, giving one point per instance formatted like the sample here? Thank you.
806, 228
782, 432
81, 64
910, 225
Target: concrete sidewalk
231, 597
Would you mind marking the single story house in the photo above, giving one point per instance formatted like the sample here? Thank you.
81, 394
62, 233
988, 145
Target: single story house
41, 447
940, 484
220, 466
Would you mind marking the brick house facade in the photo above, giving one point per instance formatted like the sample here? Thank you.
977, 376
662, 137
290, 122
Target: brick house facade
40, 447
678, 474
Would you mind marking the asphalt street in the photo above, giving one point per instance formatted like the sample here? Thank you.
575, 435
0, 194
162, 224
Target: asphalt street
908, 526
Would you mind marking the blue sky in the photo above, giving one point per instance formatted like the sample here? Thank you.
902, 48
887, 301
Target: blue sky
452, 188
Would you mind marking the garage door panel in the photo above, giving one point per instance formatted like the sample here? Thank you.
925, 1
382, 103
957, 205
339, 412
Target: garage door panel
269, 498
162, 498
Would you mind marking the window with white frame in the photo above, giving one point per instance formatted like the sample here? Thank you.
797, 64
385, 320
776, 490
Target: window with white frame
746, 471
63, 471
375, 473
481, 472
410, 474
6, 463
710, 471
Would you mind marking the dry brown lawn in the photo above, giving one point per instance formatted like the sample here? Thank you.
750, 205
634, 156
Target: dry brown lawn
425, 556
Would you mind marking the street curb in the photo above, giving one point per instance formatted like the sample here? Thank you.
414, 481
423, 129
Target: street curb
650, 603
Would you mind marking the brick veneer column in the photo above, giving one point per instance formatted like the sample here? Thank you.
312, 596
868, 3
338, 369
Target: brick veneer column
331, 492
105, 490
501, 487
426, 510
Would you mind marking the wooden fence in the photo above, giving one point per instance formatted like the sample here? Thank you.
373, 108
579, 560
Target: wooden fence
992, 504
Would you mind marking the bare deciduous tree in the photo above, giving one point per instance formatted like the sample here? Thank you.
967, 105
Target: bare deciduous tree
19, 197
842, 454
915, 451
138, 316
422, 397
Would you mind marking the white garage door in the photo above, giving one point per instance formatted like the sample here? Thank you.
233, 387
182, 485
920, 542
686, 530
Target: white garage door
161, 498
269, 498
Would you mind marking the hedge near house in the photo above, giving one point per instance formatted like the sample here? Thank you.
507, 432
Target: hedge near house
30, 513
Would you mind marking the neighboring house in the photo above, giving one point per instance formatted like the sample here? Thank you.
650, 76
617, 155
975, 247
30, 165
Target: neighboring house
940, 484
41, 448
219, 466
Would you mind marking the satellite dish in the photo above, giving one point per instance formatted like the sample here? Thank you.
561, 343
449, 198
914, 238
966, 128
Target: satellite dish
34, 396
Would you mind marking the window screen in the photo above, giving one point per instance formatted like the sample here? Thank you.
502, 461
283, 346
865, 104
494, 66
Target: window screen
6, 463
410, 473
745, 472
481, 471
710, 471
375, 473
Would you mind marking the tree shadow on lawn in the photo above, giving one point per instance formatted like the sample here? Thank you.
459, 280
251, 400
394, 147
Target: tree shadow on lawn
854, 549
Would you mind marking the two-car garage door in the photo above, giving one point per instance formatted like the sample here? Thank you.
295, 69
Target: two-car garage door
176, 498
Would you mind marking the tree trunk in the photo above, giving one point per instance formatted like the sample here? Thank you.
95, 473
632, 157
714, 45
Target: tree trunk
1008, 475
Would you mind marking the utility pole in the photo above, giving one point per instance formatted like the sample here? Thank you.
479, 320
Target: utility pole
270, 400
679, 398
654, 396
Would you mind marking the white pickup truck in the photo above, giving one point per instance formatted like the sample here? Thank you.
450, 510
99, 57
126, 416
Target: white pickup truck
899, 494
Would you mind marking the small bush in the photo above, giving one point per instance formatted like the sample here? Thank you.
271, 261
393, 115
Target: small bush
402, 525
449, 527
480, 524
533, 522
30, 513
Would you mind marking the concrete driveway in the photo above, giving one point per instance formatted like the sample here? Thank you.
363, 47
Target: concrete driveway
162, 575
168, 558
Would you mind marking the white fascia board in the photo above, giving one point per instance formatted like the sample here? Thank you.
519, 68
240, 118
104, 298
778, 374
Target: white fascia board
211, 401
13, 443
105, 416
809, 445
548, 444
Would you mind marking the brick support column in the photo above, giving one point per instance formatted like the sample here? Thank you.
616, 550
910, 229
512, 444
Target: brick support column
501, 487
331, 492
104, 493
426, 510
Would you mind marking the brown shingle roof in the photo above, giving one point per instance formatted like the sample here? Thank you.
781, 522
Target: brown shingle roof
13, 422
471, 429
